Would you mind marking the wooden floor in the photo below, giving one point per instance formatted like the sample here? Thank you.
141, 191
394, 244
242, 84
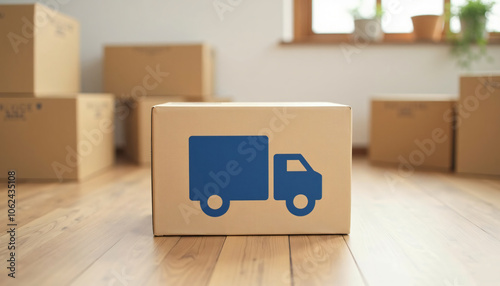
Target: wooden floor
426, 229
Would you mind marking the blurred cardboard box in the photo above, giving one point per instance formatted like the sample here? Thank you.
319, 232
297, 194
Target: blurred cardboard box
211, 99
138, 124
478, 124
413, 133
251, 168
56, 138
221, 99
135, 71
39, 52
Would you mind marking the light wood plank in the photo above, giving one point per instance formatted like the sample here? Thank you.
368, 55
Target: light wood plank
483, 214
323, 260
443, 245
131, 261
79, 245
253, 260
190, 262
49, 221
427, 229
35, 200
380, 257
484, 189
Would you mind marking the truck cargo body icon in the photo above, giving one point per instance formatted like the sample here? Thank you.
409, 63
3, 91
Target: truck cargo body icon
236, 168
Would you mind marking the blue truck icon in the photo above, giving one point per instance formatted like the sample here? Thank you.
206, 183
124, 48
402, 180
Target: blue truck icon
236, 168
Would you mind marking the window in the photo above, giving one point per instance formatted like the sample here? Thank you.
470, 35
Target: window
333, 21
330, 17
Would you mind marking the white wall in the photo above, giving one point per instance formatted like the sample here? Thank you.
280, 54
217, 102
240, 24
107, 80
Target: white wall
252, 66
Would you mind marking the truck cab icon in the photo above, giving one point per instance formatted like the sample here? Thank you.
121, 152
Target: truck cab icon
236, 168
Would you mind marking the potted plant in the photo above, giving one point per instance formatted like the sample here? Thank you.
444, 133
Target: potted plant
428, 27
473, 16
368, 28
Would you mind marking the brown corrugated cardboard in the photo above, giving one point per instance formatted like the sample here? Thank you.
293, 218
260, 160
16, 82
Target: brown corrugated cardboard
39, 52
413, 133
138, 126
211, 99
251, 168
478, 125
56, 138
135, 71
221, 99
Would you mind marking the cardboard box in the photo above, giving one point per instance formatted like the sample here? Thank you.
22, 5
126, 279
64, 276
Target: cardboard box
135, 71
478, 125
251, 168
39, 52
221, 99
56, 138
138, 126
211, 99
413, 133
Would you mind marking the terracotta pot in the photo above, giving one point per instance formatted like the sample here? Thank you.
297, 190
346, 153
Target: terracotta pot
369, 30
428, 27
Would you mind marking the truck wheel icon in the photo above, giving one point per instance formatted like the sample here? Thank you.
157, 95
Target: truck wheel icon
205, 207
300, 211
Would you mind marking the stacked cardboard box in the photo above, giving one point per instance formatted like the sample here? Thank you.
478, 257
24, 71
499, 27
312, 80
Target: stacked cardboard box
137, 71
441, 133
138, 124
478, 124
144, 76
53, 131
413, 133
39, 51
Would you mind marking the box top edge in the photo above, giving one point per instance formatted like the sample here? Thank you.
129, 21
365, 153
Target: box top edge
23, 4
415, 97
58, 11
64, 96
481, 74
251, 104
154, 45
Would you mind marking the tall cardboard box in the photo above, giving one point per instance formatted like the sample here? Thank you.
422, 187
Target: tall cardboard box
478, 124
39, 51
251, 168
138, 126
135, 71
56, 138
413, 133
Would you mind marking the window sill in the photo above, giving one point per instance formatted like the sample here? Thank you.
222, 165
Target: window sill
329, 41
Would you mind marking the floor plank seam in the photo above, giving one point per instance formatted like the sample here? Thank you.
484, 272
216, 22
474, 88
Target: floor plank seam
170, 250
459, 214
356, 262
216, 261
442, 177
97, 259
429, 194
292, 282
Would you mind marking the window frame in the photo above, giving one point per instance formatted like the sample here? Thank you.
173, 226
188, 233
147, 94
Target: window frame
303, 32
